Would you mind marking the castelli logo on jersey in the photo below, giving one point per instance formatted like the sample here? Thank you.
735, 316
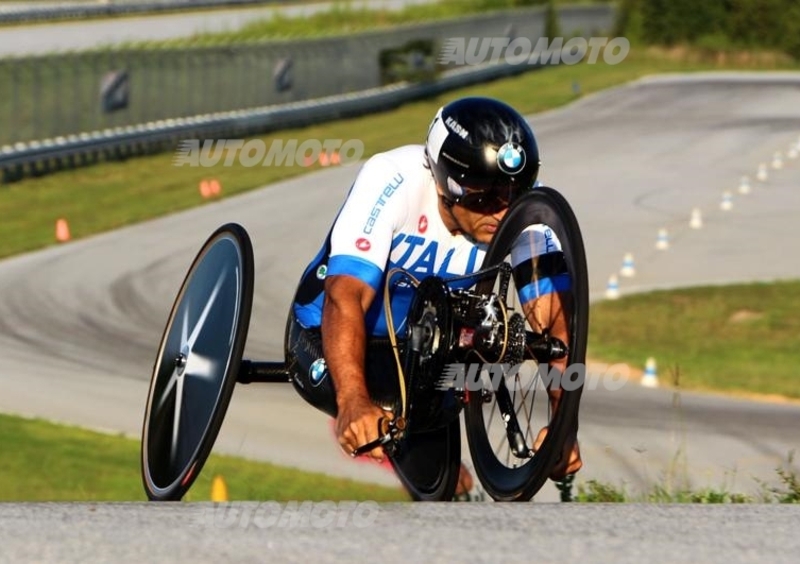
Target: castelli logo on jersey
363, 244
423, 224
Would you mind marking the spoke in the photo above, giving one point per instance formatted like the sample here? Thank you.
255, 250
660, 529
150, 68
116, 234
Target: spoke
200, 366
524, 407
206, 310
502, 442
185, 323
167, 390
176, 421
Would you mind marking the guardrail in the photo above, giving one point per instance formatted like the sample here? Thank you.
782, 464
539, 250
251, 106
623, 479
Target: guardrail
74, 10
38, 158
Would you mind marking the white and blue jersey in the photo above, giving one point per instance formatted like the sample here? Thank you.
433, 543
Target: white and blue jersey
391, 219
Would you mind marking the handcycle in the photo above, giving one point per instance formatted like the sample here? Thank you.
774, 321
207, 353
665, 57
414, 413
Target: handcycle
450, 323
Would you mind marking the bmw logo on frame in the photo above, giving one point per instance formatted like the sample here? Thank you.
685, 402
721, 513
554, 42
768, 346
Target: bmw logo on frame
317, 372
511, 158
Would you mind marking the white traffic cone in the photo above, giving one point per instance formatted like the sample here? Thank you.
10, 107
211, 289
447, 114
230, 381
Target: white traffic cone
628, 270
777, 161
662, 242
794, 150
744, 185
650, 377
727, 202
696, 222
762, 173
612, 288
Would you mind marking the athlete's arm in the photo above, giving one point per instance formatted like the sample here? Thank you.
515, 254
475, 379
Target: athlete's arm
344, 344
543, 284
361, 242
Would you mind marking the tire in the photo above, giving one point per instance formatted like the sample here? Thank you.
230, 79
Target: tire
197, 364
519, 479
428, 463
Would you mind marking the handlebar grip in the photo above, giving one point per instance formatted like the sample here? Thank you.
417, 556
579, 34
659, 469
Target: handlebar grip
387, 429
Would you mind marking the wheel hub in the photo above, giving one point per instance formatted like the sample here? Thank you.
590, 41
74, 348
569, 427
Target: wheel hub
181, 361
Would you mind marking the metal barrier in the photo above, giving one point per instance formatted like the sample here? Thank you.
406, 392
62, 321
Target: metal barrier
54, 154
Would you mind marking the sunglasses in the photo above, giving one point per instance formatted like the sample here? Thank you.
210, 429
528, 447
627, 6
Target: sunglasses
489, 202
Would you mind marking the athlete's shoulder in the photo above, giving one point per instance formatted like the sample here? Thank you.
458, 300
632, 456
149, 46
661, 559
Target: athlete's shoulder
406, 162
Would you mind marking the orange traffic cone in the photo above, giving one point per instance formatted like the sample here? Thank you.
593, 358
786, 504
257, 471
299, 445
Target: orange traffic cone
215, 187
323, 159
335, 158
205, 189
307, 161
62, 231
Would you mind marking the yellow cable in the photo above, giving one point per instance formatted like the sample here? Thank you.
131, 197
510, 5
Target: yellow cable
387, 306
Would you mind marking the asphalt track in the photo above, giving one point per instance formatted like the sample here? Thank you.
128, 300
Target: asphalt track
38, 39
79, 323
403, 533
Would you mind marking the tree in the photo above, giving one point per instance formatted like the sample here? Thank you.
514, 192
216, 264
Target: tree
551, 26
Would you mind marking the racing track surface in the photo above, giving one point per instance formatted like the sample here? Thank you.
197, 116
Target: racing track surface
79, 323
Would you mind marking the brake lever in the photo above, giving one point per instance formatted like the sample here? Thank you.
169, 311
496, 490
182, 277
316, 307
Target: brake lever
388, 430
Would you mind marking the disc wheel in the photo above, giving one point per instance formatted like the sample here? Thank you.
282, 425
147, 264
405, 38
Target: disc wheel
428, 463
197, 364
428, 459
507, 476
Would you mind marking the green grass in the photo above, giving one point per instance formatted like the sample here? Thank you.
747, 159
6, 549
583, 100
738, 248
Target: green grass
106, 196
47, 462
670, 490
594, 491
345, 19
737, 338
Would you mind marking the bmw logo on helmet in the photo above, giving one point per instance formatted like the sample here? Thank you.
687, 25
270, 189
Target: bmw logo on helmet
317, 372
511, 158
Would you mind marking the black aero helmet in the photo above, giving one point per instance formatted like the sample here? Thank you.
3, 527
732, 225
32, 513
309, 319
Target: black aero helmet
482, 153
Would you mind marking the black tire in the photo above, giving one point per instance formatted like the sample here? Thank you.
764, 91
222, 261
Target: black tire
206, 330
522, 479
428, 463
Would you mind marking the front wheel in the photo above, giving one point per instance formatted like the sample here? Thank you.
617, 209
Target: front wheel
506, 471
197, 364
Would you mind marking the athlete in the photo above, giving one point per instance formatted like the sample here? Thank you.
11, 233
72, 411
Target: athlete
432, 210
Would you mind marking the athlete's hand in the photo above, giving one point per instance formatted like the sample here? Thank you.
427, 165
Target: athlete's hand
357, 425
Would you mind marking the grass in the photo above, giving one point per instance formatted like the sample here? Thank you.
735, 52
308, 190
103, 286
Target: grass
48, 462
60, 463
595, 491
737, 338
343, 18
109, 195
